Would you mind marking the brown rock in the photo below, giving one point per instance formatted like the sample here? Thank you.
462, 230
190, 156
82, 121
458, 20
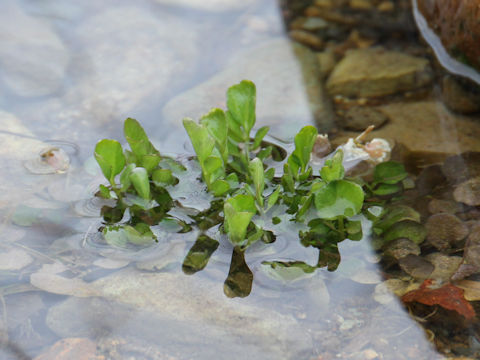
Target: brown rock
459, 98
427, 126
358, 118
373, 72
444, 230
416, 266
306, 38
437, 206
468, 192
456, 23
462, 167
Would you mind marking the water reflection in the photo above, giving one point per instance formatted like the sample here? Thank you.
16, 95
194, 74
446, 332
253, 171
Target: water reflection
90, 65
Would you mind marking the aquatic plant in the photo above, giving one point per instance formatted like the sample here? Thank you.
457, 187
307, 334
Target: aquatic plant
238, 167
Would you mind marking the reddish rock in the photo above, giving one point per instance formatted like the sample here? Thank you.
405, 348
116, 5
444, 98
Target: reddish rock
456, 23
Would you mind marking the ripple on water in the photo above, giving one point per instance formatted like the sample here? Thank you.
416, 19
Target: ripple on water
53, 159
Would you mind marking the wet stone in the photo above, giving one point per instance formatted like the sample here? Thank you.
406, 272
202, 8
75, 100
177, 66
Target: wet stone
462, 167
468, 192
445, 266
375, 72
175, 305
436, 206
358, 118
400, 248
445, 230
416, 266
306, 38
458, 98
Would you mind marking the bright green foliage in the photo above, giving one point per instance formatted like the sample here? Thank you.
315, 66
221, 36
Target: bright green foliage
339, 198
241, 99
139, 179
389, 172
333, 169
258, 177
299, 159
253, 201
109, 156
238, 211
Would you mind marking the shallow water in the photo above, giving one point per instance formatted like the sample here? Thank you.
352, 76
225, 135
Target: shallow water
70, 77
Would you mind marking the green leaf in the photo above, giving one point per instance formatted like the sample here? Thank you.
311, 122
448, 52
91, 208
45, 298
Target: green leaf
257, 173
109, 155
241, 100
150, 162
125, 177
339, 198
140, 234
137, 138
259, 136
139, 179
115, 236
387, 189
216, 124
163, 177
394, 214
220, 187
201, 140
104, 192
406, 229
213, 170
273, 198
389, 172
304, 141
238, 211
333, 169
199, 254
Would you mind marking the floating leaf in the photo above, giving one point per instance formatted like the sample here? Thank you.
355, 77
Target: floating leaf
163, 177
387, 189
109, 155
339, 198
448, 296
238, 210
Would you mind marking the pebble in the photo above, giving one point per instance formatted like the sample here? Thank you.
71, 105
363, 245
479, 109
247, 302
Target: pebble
374, 72
358, 118
459, 99
306, 38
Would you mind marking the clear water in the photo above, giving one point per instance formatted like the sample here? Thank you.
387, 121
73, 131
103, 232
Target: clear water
69, 77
